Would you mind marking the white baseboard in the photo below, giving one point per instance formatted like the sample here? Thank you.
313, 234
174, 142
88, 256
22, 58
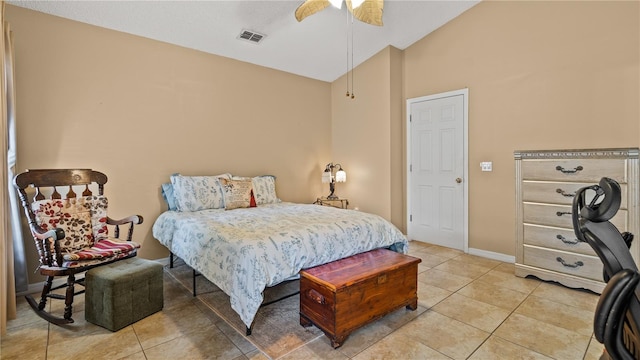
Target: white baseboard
493, 255
36, 288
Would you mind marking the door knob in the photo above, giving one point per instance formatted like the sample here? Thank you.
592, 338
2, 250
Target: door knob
458, 180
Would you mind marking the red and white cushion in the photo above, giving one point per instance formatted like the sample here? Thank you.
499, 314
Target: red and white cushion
84, 221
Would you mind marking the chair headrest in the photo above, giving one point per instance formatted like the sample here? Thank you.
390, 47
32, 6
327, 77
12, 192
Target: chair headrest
608, 207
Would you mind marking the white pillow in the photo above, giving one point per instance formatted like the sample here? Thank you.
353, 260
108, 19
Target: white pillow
194, 193
264, 189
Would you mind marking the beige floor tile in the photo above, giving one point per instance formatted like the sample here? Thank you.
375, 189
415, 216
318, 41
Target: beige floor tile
565, 316
254, 355
439, 329
362, 338
238, 340
497, 348
510, 281
169, 324
448, 336
397, 346
418, 246
316, 349
481, 315
174, 293
544, 338
204, 343
506, 267
102, 345
444, 252
78, 329
429, 295
24, 314
583, 299
478, 260
594, 351
422, 268
463, 268
28, 341
493, 294
429, 260
137, 356
444, 280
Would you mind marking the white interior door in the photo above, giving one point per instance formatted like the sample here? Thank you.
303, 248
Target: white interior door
437, 210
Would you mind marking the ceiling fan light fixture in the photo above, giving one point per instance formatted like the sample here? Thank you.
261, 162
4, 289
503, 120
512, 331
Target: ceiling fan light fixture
337, 3
356, 3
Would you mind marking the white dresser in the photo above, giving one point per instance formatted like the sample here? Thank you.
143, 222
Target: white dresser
546, 181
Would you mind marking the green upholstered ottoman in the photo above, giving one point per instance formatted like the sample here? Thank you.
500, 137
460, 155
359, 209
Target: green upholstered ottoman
121, 293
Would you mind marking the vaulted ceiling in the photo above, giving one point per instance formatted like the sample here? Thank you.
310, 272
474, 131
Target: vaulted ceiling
316, 47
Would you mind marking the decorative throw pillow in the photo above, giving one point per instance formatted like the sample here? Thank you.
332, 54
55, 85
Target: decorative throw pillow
70, 216
252, 202
237, 193
265, 189
194, 193
97, 205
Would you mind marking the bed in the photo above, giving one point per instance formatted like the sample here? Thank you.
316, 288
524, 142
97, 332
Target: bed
247, 249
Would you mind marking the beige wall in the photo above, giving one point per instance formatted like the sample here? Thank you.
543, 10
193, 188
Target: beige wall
541, 75
367, 135
140, 110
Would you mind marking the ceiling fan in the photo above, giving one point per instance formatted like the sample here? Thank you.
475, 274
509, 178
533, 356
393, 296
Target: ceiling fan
367, 11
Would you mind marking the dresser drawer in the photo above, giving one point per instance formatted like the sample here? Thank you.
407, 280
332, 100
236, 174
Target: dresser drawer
555, 238
560, 192
580, 265
560, 216
579, 170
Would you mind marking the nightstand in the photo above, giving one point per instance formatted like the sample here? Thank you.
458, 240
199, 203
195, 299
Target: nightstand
338, 203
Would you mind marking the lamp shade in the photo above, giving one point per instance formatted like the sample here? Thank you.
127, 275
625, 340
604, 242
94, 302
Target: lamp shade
326, 176
341, 176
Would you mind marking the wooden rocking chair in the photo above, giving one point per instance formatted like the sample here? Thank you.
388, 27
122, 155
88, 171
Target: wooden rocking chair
71, 232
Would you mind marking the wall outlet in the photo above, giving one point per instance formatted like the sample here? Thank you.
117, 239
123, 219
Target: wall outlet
486, 166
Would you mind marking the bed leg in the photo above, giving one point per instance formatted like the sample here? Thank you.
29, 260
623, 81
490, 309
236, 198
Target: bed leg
194, 283
170, 260
248, 330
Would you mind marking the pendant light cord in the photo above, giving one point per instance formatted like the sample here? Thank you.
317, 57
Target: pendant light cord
352, 83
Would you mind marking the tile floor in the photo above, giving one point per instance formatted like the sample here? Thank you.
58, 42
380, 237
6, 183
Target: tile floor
476, 309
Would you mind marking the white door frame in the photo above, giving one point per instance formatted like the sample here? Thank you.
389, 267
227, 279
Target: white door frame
465, 178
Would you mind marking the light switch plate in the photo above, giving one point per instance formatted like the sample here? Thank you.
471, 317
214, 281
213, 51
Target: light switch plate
486, 166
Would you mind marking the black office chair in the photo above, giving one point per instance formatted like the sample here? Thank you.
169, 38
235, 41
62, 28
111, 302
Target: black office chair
612, 311
618, 312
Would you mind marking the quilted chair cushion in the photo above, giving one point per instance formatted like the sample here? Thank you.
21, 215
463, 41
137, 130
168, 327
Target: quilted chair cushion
84, 221
103, 250
69, 215
98, 207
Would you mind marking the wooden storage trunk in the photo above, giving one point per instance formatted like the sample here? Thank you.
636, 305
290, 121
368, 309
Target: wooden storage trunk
344, 295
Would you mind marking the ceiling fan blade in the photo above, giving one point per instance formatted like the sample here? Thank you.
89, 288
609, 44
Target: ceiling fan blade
310, 7
370, 11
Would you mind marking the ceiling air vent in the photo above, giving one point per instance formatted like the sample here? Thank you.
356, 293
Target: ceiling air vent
251, 36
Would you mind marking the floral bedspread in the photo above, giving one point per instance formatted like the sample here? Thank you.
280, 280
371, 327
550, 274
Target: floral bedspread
243, 251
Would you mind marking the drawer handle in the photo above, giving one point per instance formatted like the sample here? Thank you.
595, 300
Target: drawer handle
561, 192
565, 171
564, 240
574, 265
560, 213
316, 296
